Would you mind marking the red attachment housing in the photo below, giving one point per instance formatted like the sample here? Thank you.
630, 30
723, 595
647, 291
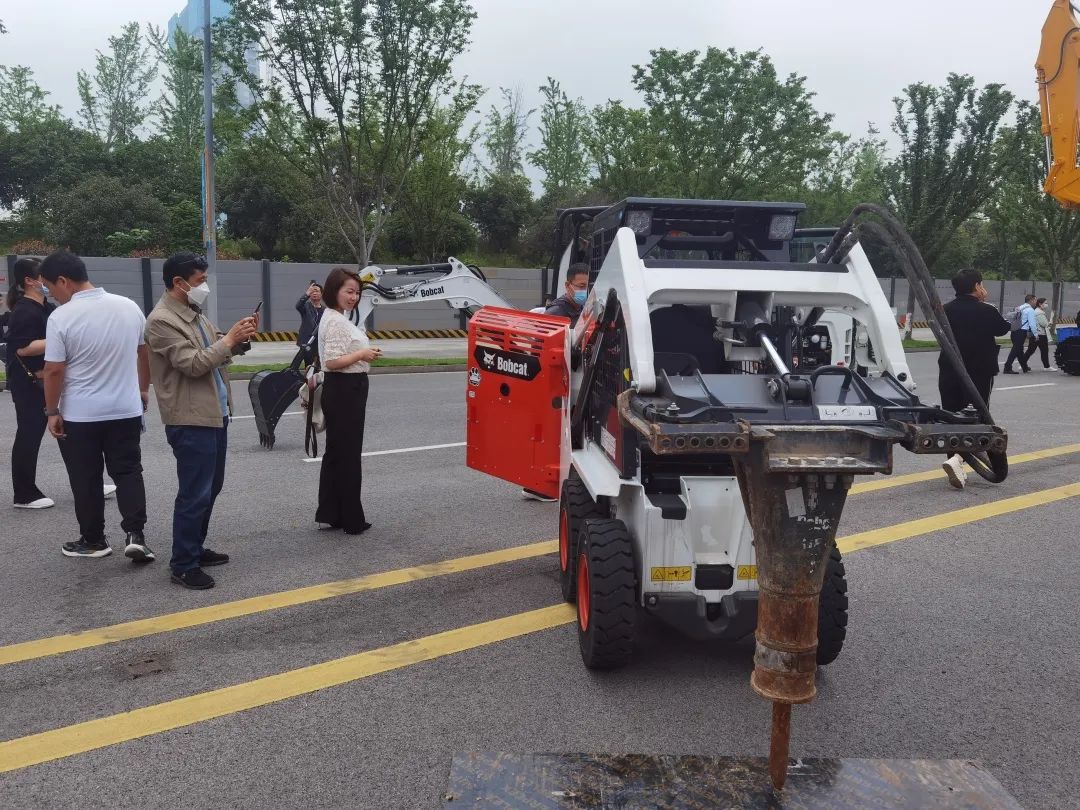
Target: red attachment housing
516, 396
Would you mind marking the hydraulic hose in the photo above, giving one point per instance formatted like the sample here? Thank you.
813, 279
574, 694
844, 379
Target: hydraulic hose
993, 466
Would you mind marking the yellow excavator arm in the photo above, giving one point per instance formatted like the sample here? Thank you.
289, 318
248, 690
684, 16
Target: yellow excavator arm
1058, 75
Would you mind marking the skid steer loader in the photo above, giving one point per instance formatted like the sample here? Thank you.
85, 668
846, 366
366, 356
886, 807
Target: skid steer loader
704, 420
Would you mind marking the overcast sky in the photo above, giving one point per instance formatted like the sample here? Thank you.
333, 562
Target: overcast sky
855, 54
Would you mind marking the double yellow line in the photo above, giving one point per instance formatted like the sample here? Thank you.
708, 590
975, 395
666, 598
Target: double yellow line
111, 730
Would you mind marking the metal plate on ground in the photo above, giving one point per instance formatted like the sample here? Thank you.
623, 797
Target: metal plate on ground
633, 782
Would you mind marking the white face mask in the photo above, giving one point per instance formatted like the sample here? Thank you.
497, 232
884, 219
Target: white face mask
198, 295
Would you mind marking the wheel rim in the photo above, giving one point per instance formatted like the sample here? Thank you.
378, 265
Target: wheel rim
564, 541
583, 593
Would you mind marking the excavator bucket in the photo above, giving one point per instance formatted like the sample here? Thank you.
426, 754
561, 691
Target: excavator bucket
271, 393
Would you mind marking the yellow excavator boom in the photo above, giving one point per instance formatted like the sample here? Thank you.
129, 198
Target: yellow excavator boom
1058, 74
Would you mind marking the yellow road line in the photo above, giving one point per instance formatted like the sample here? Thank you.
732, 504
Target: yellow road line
55, 645
96, 637
949, 520
105, 731
876, 484
23, 752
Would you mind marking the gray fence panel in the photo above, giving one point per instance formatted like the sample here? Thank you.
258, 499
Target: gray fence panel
118, 276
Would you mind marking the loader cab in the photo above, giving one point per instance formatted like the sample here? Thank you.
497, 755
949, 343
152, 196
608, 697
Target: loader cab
809, 242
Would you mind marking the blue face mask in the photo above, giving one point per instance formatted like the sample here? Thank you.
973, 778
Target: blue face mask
580, 296
44, 290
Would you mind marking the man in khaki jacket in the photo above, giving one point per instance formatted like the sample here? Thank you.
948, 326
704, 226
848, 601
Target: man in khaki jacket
187, 360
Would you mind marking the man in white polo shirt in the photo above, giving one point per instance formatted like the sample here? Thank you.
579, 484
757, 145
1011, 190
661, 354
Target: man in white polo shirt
97, 381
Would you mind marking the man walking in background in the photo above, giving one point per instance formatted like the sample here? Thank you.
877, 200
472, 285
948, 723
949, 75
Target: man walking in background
187, 360
1023, 325
976, 326
97, 381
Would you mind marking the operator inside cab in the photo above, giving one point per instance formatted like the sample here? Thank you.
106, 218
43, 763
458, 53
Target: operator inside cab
575, 291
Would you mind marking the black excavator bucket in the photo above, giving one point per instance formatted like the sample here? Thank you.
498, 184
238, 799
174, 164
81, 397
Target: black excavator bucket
271, 393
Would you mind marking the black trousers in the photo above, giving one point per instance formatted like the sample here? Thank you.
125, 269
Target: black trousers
1042, 343
1019, 338
954, 396
344, 403
89, 449
30, 424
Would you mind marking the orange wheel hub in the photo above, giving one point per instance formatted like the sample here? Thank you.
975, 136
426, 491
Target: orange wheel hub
583, 593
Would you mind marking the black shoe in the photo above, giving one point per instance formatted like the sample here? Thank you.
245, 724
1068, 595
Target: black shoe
1008, 371
82, 548
196, 579
136, 549
1026, 370
212, 558
363, 528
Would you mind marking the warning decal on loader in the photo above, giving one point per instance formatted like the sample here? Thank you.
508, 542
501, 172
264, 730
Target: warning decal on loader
509, 364
679, 573
746, 572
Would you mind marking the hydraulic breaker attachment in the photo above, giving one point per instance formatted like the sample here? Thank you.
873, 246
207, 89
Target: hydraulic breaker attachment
794, 482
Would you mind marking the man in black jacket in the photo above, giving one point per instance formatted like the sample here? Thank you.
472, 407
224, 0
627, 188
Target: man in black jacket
976, 326
575, 291
311, 308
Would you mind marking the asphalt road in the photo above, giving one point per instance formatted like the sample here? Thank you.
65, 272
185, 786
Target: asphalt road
963, 641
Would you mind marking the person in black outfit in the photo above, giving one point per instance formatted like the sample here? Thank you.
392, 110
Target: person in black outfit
976, 326
311, 308
25, 361
575, 291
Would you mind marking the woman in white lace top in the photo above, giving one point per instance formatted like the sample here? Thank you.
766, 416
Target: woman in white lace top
346, 355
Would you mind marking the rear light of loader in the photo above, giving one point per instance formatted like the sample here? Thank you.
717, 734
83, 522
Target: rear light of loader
516, 400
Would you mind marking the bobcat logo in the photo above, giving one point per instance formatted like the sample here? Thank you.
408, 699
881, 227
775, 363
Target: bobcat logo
489, 359
474, 376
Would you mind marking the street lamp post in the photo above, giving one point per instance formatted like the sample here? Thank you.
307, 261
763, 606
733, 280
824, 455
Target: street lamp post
209, 212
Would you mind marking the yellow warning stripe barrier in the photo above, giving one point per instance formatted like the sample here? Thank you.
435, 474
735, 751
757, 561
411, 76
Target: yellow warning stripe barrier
377, 334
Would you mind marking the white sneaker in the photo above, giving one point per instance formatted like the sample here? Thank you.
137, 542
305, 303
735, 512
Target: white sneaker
954, 468
529, 495
40, 503
110, 490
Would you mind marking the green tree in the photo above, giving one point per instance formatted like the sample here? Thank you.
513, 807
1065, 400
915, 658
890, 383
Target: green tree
180, 107
43, 157
850, 174
623, 151
501, 208
562, 155
360, 80
504, 134
428, 224
258, 190
22, 101
1050, 232
716, 124
114, 99
185, 226
84, 216
947, 166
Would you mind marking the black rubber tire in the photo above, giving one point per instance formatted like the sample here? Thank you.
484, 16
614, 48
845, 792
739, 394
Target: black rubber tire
833, 611
606, 626
575, 506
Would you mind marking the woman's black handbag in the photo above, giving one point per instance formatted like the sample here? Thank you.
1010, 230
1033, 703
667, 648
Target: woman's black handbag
39, 383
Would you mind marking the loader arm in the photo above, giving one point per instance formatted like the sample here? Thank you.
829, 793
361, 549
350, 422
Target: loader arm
1058, 76
455, 283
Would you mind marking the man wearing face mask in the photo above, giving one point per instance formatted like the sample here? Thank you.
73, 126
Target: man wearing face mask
187, 360
575, 291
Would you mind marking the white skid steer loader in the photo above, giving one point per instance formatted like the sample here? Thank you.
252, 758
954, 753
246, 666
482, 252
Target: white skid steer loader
699, 339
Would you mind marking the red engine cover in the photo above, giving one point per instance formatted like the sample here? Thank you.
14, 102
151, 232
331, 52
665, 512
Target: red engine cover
516, 396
